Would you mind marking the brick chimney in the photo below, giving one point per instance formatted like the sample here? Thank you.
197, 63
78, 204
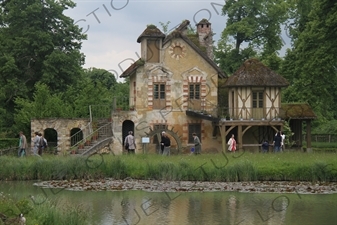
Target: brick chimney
205, 34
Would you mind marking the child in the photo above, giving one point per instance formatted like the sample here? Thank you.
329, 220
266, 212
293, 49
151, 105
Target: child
265, 146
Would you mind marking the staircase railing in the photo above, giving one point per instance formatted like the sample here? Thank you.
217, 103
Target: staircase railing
81, 135
101, 132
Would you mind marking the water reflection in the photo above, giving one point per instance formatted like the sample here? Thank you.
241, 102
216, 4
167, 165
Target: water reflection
218, 208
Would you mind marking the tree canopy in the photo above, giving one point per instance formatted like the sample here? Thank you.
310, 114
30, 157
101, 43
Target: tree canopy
311, 65
252, 29
38, 43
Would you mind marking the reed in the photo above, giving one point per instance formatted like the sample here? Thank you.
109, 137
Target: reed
289, 166
50, 212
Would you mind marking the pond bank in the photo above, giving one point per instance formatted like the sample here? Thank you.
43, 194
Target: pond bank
190, 186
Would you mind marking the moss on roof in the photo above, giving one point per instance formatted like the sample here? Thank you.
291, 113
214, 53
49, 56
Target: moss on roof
195, 39
204, 21
297, 111
254, 73
151, 31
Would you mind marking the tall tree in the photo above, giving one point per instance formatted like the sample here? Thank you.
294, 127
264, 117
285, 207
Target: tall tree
38, 43
253, 27
312, 64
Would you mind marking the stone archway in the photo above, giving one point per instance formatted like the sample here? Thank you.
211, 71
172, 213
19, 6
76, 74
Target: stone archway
50, 135
127, 126
74, 139
59, 128
173, 134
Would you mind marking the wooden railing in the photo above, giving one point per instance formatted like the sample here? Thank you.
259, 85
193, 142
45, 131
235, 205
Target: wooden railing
330, 138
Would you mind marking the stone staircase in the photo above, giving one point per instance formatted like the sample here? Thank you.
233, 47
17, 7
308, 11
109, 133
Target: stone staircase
101, 137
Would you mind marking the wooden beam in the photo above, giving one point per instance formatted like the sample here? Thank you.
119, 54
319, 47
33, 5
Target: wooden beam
309, 149
239, 138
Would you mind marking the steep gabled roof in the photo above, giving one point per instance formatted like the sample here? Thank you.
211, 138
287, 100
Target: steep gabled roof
297, 111
254, 73
179, 33
151, 31
131, 69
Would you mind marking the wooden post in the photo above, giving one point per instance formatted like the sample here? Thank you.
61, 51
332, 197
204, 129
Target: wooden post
239, 138
223, 137
309, 149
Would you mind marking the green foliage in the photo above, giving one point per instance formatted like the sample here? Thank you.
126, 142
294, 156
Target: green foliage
229, 58
255, 25
44, 105
8, 142
38, 43
50, 212
288, 134
311, 65
329, 127
165, 26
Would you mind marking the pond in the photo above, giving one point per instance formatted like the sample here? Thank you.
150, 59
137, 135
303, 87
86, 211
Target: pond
192, 208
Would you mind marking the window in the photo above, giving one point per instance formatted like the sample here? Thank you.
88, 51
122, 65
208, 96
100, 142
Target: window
194, 91
194, 101
159, 96
194, 128
257, 99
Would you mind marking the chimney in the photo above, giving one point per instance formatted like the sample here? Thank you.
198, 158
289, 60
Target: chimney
205, 34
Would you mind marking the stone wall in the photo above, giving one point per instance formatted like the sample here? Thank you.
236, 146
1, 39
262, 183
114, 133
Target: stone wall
62, 127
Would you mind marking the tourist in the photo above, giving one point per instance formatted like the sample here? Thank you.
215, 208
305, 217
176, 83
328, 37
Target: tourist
283, 136
277, 142
22, 145
265, 146
166, 142
197, 144
36, 142
232, 144
130, 143
162, 143
41, 144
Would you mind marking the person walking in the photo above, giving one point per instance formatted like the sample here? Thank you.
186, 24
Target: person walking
41, 144
36, 142
283, 136
197, 144
277, 142
232, 144
130, 143
166, 142
22, 145
162, 142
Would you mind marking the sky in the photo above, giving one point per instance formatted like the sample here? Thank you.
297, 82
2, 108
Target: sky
113, 26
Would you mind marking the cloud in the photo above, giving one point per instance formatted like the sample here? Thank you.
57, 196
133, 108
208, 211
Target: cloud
115, 25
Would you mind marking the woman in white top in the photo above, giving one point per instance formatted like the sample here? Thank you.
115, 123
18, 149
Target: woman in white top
232, 144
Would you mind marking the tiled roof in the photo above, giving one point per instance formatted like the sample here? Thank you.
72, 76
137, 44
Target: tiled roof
178, 33
151, 31
254, 73
297, 111
132, 68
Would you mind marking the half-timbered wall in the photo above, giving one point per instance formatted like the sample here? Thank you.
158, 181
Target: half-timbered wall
254, 103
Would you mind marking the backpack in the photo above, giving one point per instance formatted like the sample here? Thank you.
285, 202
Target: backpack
43, 143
